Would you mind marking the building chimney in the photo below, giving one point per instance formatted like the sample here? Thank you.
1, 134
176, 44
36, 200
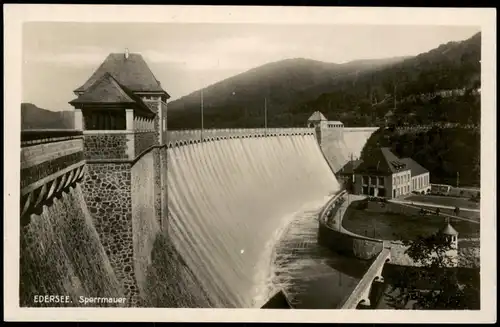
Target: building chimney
126, 53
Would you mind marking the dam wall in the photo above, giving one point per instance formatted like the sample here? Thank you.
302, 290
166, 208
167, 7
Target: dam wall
163, 279
114, 236
340, 144
60, 249
228, 198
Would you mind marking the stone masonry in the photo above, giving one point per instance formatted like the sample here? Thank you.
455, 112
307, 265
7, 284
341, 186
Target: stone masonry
155, 105
107, 192
105, 146
144, 140
157, 185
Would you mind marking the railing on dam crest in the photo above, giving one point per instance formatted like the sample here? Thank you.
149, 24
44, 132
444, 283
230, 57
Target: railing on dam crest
185, 137
51, 161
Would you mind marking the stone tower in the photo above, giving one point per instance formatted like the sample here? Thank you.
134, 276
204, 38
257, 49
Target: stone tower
326, 130
121, 110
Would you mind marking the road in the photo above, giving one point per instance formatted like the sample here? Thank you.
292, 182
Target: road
416, 204
431, 205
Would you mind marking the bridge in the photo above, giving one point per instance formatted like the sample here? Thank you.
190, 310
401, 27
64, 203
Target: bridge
361, 293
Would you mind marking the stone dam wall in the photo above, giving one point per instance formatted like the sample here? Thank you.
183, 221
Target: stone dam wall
95, 218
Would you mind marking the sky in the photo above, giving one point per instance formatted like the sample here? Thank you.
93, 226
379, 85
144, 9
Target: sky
58, 57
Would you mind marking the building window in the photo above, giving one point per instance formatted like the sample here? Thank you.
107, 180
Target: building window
394, 180
104, 120
373, 180
381, 181
164, 124
365, 179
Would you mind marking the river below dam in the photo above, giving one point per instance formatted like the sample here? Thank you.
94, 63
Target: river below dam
312, 276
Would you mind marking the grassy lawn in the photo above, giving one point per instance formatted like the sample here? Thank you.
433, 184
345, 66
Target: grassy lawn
401, 225
445, 201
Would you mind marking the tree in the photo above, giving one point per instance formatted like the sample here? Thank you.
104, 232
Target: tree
434, 285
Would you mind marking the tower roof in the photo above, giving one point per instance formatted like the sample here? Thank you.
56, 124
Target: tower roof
108, 91
317, 116
448, 230
130, 70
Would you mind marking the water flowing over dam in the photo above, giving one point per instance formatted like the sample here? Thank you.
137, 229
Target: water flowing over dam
230, 200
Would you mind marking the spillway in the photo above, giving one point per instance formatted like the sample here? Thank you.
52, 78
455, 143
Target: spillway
229, 202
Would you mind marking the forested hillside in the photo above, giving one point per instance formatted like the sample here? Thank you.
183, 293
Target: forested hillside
239, 101
444, 152
366, 100
359, 93
33, 117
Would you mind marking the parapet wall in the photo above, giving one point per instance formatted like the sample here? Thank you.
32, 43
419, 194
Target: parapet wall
342, 241
332, 235
181, 137
51, 162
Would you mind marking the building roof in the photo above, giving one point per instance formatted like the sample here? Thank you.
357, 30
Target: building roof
132, 72
335, 122
381, 161
107, 90
415, 168
448, 230
104, 90
350, 166
317, 116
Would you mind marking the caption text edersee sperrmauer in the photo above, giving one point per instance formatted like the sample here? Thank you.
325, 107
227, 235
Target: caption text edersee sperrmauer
81, 299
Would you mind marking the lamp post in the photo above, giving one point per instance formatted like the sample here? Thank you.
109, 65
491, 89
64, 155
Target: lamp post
265, 116
201, 133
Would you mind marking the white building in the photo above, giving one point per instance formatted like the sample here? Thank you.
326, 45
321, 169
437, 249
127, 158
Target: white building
420, 177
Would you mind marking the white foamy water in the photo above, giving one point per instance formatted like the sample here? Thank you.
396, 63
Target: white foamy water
312, 276
231, 200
